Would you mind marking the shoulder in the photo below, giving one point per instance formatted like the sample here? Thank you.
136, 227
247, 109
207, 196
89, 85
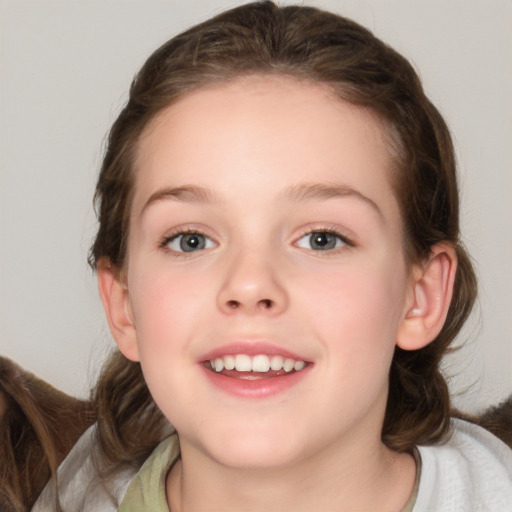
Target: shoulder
81, 487
147, 489
471, 472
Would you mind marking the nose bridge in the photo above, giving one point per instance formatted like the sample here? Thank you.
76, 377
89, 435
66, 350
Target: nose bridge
252, 282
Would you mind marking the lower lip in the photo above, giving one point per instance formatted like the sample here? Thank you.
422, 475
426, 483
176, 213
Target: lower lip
256, 388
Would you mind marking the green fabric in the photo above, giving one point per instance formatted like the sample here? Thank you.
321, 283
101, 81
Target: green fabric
147, 490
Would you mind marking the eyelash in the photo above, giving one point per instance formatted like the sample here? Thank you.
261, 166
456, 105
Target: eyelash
346, 240
164, 242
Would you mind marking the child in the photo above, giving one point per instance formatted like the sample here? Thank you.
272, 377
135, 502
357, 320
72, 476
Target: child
279, 260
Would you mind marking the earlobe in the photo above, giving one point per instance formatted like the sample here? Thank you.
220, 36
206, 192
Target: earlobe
431, 295
115, 298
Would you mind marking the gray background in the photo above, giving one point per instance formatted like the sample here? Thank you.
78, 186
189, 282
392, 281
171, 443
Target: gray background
65, 67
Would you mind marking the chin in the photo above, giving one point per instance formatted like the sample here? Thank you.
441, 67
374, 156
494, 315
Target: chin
255, 458
256, 449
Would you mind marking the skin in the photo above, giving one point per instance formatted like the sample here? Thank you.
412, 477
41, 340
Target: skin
248, 144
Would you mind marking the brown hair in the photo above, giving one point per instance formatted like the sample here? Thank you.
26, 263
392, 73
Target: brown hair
308, 44
38, 426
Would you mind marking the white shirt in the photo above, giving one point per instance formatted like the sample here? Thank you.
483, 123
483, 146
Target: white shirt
472, 472
79, 488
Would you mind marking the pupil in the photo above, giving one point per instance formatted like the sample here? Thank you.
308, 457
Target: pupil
193, 242
323, 241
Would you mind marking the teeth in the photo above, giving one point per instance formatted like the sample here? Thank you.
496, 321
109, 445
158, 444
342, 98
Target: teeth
288, 365
229, 362
260, 363
299, 365
243, 363
276, 363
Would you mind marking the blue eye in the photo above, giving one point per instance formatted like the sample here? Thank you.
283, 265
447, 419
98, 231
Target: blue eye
189, 242
321, 241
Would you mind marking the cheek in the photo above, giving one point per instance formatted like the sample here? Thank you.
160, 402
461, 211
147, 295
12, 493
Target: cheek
166, 309
363, 297
356, 314
167, 313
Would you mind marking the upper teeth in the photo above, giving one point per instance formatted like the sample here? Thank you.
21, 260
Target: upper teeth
259, 363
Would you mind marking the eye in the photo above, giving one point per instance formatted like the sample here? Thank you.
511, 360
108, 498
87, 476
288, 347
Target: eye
321, 241
189, 242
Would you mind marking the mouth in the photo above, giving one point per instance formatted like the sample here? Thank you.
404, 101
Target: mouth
260, 366
254, 370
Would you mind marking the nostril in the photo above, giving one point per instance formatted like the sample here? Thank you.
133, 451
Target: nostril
263, 303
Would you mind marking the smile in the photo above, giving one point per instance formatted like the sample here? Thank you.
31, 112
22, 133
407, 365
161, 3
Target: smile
254, 370
260, 365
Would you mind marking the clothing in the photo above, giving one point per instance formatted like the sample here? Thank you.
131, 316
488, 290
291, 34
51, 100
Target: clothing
147, 490
80, 490
472, 472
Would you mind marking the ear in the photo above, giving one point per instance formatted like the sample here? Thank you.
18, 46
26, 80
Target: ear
431, 294
116, 302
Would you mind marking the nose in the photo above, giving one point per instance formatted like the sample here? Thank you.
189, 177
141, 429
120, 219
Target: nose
251, 285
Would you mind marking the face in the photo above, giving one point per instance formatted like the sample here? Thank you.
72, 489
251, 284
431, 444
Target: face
265, 277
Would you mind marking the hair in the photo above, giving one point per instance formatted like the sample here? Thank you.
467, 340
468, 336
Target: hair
308, 44
38, 426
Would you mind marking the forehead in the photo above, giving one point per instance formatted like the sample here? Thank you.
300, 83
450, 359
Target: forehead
263, 131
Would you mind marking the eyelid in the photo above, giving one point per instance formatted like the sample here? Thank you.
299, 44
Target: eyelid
184, 230
345, 236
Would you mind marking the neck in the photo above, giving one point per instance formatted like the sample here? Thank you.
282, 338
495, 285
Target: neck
363, 477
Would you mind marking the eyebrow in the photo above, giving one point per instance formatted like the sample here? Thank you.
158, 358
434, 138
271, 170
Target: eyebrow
312, 191
186, 193
295, 193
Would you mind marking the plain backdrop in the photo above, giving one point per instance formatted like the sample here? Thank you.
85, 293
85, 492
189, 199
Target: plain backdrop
65, 67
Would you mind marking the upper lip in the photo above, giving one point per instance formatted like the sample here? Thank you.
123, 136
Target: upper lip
251, 348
